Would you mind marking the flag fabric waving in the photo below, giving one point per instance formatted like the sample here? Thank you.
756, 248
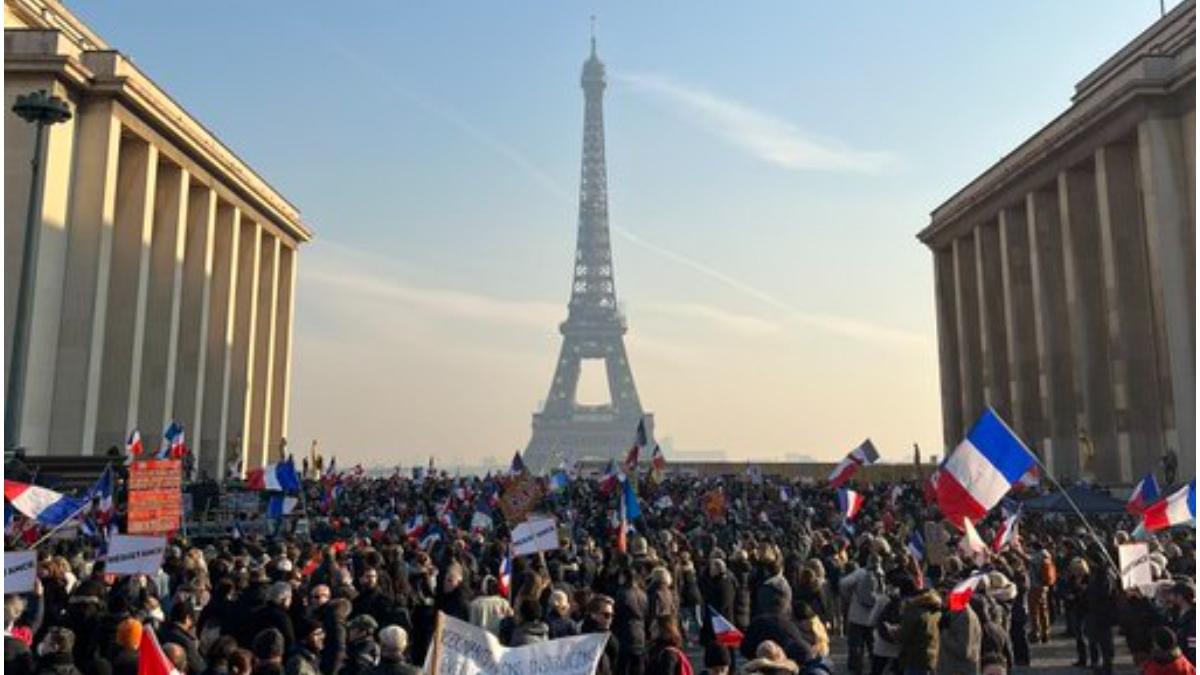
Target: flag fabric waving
133, 447
47, 507
102, 492
865, 454
961, 594
151, 659
1006, 533
504, 576
1178, 509
971, 544
611, 477
724, 632
981, 470
279, 477
172, 446
916, 546
850, 502
658, 464
633, 510
1145, 494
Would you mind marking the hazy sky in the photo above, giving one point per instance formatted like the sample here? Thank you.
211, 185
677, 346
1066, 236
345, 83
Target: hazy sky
769, 166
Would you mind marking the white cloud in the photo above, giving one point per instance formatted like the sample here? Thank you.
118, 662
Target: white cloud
763, 135
344, 270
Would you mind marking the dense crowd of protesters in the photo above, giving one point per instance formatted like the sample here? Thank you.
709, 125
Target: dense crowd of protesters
361, 590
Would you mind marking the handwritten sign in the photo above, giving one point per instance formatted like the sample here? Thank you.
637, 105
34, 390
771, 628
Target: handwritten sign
460, 648
20, 568
522, 496
1136, 570
532, 536
134, 555
155, 496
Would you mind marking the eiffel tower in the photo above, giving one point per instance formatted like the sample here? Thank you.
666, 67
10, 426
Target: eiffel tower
594, 329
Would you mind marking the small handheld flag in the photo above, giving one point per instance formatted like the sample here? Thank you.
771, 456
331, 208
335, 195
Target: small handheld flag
960, 595
724, 632
1145, 494
133, 447
1006, 533
850, 502
865, 454
1178, 509
504, 579
172, 446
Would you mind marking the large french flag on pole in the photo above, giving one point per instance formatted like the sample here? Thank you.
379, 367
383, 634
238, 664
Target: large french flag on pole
47, 507
981, 470
279, 477
1178, 509
1145, 494
863, 455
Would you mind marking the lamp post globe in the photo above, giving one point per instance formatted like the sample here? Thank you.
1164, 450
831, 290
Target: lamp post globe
41, 109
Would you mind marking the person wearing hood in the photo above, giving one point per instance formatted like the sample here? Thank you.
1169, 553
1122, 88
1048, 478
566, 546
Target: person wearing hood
959, 643
860, 589
920, 633
770, 659
1166, 658
994, 640
530, 628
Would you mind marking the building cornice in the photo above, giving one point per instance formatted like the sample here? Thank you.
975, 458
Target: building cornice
1157, 64
59, 44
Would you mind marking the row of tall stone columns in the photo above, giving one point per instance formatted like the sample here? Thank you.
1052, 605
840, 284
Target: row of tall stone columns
159, 298
1072, 312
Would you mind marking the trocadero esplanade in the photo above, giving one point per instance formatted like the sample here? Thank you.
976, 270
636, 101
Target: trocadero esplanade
1065, 274
164, 282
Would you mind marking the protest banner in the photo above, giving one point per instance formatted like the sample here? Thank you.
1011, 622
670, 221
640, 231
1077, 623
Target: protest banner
1136, 570
533, 536
459, 647
155, 496
134, 555
20, 569
521, 496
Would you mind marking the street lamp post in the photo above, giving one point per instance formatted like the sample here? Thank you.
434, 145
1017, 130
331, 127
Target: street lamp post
42, 110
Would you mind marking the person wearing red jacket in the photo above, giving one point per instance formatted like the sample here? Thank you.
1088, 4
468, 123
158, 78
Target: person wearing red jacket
1166, 658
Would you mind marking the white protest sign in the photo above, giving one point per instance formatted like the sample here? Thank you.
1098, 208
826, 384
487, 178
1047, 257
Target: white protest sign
1136, 571
531, 536
20, 569
458, 648
134, 555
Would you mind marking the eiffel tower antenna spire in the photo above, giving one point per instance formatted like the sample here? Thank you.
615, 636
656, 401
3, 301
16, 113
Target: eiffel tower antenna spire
595, 328
593, 18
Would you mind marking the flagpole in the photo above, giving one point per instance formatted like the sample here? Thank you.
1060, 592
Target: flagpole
1074, 506
59, 526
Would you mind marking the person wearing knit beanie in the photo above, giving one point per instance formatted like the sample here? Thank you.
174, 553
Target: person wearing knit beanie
129, 633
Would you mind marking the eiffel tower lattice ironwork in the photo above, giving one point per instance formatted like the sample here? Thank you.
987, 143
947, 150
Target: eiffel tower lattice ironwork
595, 327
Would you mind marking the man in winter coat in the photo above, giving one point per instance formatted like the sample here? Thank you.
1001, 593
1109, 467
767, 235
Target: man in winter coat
777, 624
859, 588
599, 620
920, 632
629, 624
960, 643
306, 659
181, 630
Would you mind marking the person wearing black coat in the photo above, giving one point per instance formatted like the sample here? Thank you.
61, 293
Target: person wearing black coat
180, 629
455, 597
631, 608
598, 619
274, 614
719, 591
371, 599
775, 623
1100, 616
739, 567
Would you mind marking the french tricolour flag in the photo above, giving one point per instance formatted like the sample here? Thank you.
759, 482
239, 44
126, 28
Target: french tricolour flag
863, 455
1006, 532
725, 633
1178, 509
133, 447
916, 546
971, 543
504, 580
961, 594
279, 477
47, 507
850, 502
172, 446
981, 470
1145, 494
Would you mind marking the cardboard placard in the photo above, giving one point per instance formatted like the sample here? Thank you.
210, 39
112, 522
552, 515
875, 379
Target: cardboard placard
459, 647
1136, 570
522, 496
155, 496
533, 536
20, 570
134, 555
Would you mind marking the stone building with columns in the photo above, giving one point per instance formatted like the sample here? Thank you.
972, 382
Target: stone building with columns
1065, 274
164, 276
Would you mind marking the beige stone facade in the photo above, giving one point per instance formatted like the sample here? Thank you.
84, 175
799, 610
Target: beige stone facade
1065, 274
166, 267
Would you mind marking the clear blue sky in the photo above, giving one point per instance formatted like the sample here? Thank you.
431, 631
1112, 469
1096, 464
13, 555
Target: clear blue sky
769, 167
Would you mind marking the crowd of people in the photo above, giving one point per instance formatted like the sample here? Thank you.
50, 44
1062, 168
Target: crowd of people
360, 588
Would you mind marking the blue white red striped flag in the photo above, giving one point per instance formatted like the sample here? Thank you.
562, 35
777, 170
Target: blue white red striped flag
981, 470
